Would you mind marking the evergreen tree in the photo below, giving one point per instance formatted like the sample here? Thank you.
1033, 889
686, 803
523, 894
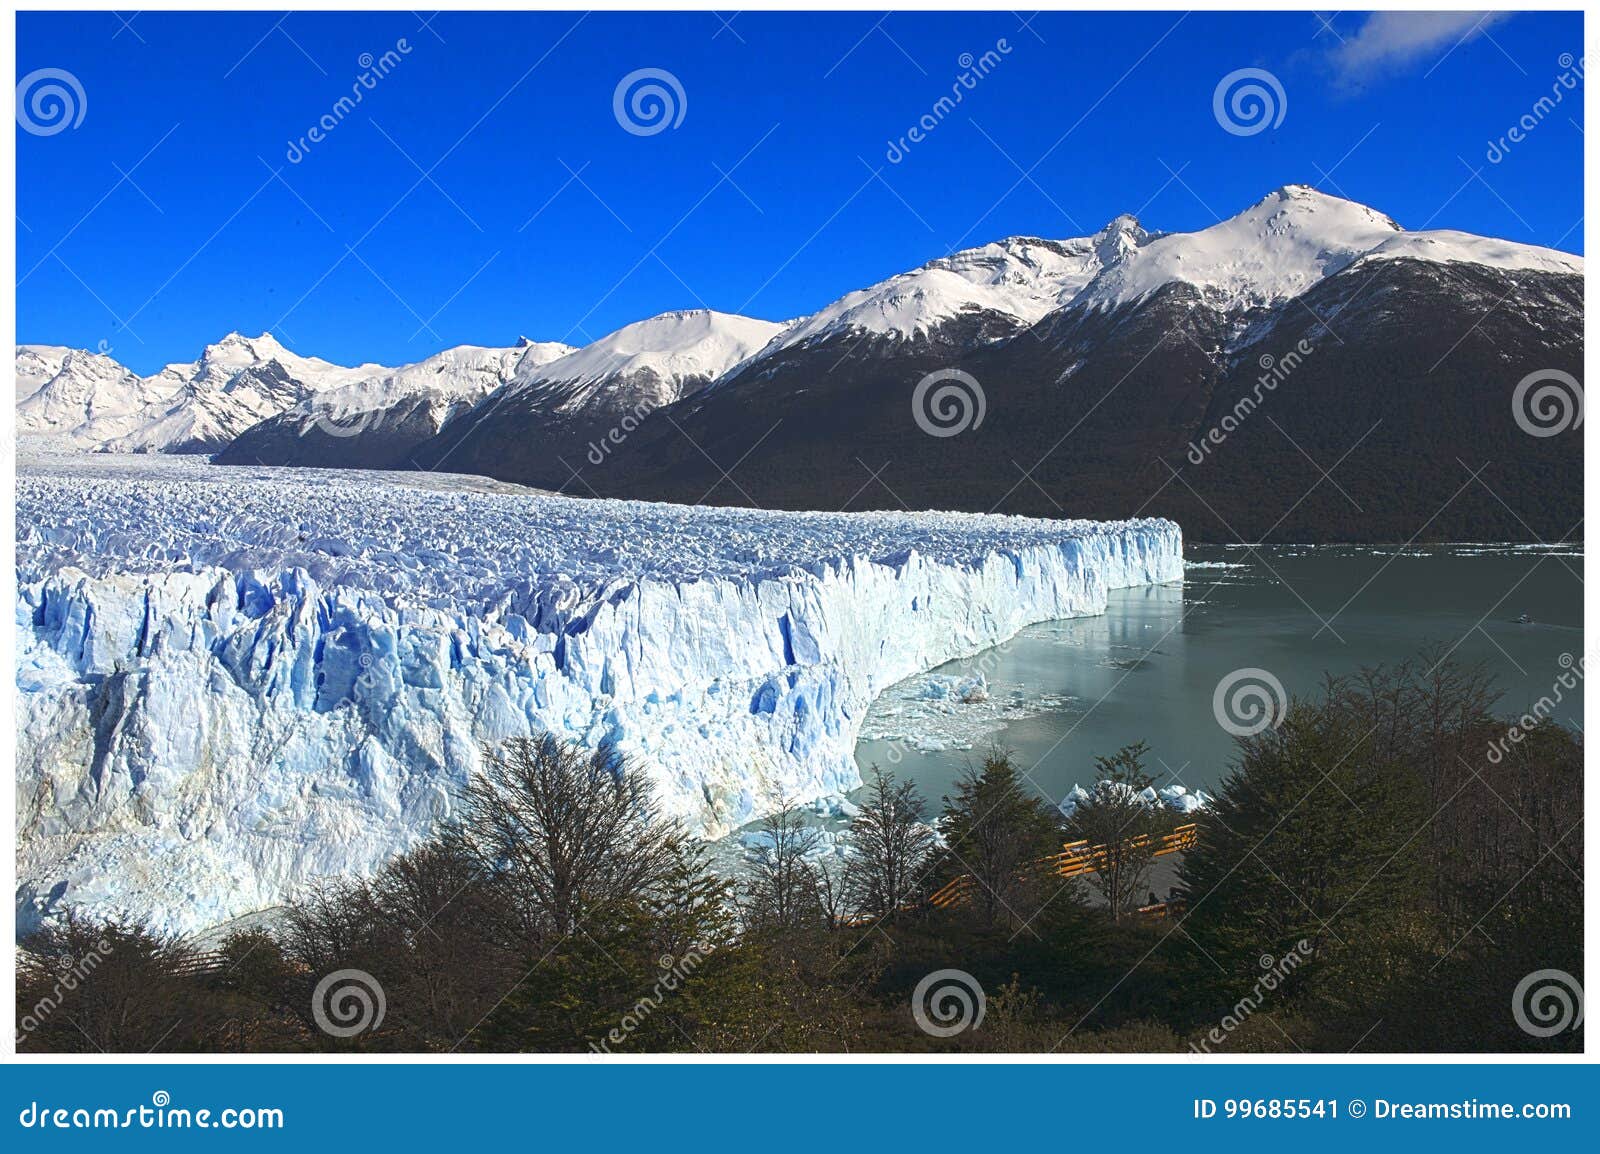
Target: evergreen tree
997, 828
1313, 837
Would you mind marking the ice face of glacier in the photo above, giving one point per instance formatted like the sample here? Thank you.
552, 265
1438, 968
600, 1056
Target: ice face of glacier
229, 687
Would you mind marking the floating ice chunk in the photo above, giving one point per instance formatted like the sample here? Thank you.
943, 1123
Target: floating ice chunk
1076, 796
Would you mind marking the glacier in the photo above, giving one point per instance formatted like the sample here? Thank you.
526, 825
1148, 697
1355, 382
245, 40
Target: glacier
230, 686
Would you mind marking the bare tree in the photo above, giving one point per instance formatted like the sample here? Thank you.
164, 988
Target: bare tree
106, 987
892, 849
562, 832
783, 887
328, 924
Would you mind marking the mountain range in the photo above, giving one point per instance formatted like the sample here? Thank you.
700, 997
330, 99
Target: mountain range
1304, 370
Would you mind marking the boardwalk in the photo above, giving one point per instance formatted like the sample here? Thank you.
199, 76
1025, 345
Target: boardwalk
1076, 859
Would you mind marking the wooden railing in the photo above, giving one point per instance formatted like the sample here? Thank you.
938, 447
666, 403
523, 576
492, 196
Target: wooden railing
1076, 859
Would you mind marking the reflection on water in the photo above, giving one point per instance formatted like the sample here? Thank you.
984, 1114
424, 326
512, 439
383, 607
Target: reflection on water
1062, 692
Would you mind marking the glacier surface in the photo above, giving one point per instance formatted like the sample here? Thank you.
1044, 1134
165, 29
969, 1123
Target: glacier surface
228, 686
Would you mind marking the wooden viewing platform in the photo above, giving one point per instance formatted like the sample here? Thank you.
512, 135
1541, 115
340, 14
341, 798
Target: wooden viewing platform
1076, 859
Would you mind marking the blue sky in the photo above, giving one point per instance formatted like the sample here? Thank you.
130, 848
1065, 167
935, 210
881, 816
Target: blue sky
172, 213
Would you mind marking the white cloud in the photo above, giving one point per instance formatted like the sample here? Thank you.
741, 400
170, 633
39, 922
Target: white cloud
1392, 40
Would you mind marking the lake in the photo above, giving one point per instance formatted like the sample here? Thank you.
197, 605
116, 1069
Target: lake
1147, 669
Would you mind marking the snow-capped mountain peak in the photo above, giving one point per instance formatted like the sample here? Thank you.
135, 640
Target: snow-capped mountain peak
1287, 242
1278, 248
650, 362
1118, 239
1275, 249
86, 389
1017, 280
36, 364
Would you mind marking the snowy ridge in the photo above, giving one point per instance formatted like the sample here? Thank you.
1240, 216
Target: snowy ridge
1273, 251
92, 402
82, 390
227, 688
647, 364
1286, 243
458, 376
1021, 278
36, 364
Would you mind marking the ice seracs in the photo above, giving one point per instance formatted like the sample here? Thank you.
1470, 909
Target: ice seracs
229, 686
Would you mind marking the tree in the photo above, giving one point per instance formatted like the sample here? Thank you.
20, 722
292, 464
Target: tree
891, 848
561, 832
1318, 836
997, 828
783, 887
1122, 826
104, 987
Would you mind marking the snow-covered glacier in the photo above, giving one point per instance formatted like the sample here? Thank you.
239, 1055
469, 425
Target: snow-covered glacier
229, 686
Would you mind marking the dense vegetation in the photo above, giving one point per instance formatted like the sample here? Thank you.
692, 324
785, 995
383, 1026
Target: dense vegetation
1371, 878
